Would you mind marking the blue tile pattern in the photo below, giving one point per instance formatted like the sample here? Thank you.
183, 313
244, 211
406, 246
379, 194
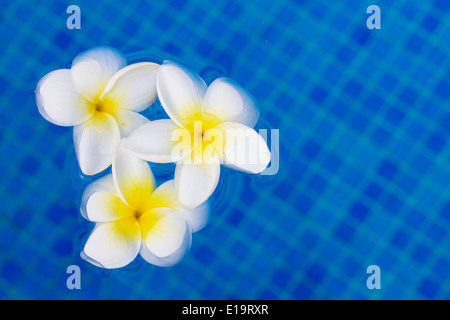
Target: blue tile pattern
364, 176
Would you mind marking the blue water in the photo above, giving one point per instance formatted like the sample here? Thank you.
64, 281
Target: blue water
364, 177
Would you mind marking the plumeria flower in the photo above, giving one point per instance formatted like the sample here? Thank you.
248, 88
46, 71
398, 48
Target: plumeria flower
100, 96
219, 121
132, 217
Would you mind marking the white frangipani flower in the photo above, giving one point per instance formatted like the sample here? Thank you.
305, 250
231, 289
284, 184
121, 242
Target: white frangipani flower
133, 218
218, 120
100, 96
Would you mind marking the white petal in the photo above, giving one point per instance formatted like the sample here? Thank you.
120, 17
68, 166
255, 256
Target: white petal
58, 100
180, 91
92, 69
104, 184
107, 206
128, 121
166, 236
198, 217
245, 149
157, 141
132, 177
95, 142
196, 182
113, 244
101, 203
230, 102
166, 196
133, 87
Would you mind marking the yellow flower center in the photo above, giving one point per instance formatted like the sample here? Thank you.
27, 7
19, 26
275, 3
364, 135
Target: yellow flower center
105, 105
138, 213
137, 225
202, 132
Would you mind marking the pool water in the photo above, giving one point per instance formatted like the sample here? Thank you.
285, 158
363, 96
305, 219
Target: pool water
364, 172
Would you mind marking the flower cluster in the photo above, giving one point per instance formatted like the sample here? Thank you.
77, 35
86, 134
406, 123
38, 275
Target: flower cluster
208, 126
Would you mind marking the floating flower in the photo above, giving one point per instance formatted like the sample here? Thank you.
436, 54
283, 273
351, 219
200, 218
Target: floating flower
218, 120
100, 96
133, 218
